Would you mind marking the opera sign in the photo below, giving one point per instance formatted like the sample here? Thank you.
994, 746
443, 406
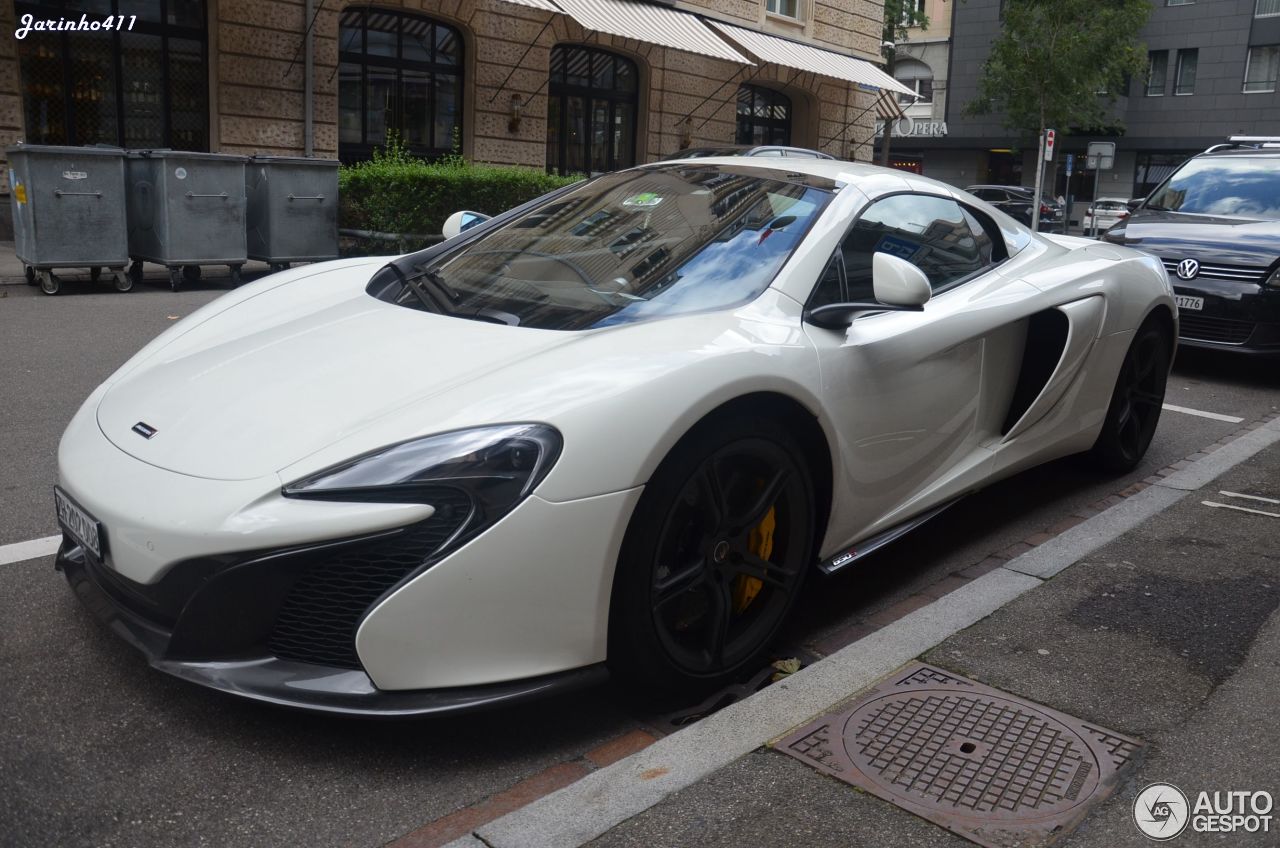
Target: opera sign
908, 127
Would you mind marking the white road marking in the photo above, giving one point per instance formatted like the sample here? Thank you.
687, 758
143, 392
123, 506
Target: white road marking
1217, 505
1216, 416
19, 551
1249, 497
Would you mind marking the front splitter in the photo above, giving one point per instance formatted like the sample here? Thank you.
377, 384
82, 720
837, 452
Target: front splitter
304, 686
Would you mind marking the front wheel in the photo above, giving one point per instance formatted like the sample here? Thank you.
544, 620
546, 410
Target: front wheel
1135, 403
713, 559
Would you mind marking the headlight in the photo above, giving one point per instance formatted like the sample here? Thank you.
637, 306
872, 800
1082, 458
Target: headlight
493, 468
1274, 280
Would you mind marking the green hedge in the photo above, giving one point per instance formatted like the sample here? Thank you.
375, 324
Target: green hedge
398, 193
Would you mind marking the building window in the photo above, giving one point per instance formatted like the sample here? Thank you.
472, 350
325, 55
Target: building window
1267, 9
1157, 71
912, 11
1261, 68
785, 8
764, 116
398, 74
591, 113
1185, 80
141, 87
916, 76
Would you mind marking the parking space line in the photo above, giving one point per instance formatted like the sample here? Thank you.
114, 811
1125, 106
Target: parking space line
1216, 416
1248, 497
19, 551
1217, 505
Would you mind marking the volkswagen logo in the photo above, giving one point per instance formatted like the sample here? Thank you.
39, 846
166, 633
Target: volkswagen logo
1187, 269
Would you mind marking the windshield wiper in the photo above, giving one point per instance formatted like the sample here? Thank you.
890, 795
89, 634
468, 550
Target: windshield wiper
431, 289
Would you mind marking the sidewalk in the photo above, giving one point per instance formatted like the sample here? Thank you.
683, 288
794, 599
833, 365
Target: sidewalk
1166, 629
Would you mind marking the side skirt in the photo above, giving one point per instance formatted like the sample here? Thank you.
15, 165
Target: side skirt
834, 563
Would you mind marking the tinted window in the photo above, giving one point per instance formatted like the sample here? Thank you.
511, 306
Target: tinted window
1245, 186
629, 246
937, 235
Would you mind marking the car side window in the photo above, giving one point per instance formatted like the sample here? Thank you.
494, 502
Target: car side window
936, 234
830, 288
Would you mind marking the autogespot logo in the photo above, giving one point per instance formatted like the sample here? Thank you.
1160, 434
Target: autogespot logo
1160, 811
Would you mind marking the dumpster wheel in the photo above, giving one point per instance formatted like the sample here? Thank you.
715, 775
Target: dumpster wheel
175, 278
122, 279
49, 283
30, 274
135, 272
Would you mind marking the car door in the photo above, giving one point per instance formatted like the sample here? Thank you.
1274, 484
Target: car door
909, 392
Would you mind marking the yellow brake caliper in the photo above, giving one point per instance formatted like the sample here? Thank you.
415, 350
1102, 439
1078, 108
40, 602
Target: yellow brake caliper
746, 587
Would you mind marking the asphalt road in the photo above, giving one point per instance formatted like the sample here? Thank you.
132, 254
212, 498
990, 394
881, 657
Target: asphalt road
98, 750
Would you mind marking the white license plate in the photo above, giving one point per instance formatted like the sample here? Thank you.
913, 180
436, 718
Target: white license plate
1195, 304
82, 526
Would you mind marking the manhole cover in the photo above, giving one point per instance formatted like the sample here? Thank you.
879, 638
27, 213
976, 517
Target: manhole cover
990, 766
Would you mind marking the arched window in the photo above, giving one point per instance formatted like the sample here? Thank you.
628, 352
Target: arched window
591, 111
398, 73
915, 75
764, 116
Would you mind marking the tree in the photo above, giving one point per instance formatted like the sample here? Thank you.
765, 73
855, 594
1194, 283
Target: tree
1061, 63
899, 16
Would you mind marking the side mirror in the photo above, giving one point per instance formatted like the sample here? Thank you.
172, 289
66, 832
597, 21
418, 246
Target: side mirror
461, 221
897, 282
899, 286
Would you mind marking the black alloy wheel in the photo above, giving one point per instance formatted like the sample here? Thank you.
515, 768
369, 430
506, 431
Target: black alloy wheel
1136, 402
714, 559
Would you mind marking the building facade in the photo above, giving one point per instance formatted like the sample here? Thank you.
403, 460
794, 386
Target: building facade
922, 61
1212, 73
520, 82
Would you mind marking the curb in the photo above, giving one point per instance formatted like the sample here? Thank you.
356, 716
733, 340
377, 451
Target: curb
583, 810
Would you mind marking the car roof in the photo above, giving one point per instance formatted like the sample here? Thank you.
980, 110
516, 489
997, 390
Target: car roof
871, 180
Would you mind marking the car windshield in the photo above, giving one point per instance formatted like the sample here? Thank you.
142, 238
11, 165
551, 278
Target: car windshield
1244, 186
628, 246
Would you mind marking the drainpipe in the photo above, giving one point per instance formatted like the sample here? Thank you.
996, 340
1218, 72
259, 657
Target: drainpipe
308, 70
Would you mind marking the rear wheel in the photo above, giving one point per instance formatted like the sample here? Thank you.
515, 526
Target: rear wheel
713, 559
1135, 403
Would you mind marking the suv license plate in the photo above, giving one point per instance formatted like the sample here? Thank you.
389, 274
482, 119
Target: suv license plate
82, 526
1195, 304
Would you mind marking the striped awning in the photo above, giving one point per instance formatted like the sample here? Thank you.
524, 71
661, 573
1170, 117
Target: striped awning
804, 57
659, 25
544, 5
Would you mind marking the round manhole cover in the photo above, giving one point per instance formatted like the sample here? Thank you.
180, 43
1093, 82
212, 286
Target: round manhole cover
1000, 770
971, 754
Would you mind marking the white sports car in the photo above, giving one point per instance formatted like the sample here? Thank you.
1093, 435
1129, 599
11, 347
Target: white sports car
613, 428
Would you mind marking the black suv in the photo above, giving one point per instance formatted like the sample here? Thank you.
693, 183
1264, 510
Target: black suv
1215, 224
1016, 202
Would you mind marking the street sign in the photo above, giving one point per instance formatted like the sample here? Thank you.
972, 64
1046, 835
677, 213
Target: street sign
1102, 156
1049, 136
1071, 162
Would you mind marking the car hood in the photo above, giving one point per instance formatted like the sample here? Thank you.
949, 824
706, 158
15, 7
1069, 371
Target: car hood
1229, 241
279, 376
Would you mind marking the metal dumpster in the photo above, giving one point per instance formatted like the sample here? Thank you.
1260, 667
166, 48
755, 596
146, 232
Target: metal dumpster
186, 210
293, 209
68, 212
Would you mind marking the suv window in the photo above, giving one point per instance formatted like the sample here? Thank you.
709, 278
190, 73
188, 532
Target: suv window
936, 234
1248, 186
991, 195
